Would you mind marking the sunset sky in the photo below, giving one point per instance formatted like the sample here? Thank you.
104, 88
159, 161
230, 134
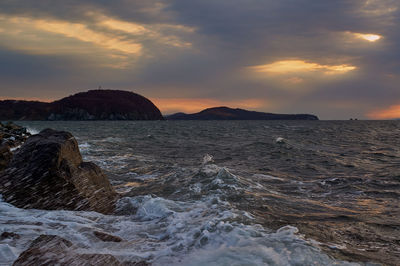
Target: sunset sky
336, 59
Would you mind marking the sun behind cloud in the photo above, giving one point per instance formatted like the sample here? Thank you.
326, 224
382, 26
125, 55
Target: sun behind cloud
368, 37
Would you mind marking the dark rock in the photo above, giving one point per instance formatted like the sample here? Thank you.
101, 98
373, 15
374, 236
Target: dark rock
226, 113
6, 235
47, 172
5, 156
91, 105
11, 126
139, 263
54, 250
12, 135
107, 237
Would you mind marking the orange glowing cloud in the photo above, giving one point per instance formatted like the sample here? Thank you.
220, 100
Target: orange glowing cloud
110, 42
301, 66
28, 32
391, 112
83, 33
192, 105
163, 33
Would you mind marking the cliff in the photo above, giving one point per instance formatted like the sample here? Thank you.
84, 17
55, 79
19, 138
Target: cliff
90, 105
226, 113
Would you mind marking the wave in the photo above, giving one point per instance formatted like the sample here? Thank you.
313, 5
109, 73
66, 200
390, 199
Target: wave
165, 232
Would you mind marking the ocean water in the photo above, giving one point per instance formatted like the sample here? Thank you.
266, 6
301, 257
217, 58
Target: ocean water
233, 193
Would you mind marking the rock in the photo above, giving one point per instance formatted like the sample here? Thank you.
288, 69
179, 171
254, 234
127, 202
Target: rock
139, 263
6, 235
106, 237
11, 126
5, 156
47, 172
54, 250
12, 134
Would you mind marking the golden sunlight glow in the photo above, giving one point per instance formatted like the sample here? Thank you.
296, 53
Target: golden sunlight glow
391, 112
83, 33
295, 66
163, 33
192, 105
128, 27
368, 37
116, 43
31, 34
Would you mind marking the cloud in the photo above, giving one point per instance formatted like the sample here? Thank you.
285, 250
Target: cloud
368, 36
300, 66
158, 32
82, 33
51, 36
391, 112
304, 55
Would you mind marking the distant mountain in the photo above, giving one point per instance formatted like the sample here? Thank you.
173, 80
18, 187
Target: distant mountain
90, 105
226, 113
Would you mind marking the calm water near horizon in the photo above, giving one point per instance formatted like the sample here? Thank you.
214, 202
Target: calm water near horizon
235, 192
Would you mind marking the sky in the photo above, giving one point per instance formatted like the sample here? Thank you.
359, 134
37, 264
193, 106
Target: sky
338, 59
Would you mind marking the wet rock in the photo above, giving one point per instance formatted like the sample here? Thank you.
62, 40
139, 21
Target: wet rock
12, 134
11, 126
47, 172
5, 156
6, 235
140, 263
54, 250
107, 237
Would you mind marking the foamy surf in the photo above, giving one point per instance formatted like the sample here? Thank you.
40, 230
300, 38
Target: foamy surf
326, 187
164, 232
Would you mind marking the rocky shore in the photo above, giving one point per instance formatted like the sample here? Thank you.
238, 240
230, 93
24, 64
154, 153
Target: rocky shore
11, 136
46, 171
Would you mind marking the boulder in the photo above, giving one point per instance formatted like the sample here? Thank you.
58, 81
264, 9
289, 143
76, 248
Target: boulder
107, 237
54, 250
6, 235
5, 156
47, 172
12, 134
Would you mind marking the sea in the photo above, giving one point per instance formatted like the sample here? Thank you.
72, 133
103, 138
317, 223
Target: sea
232, 193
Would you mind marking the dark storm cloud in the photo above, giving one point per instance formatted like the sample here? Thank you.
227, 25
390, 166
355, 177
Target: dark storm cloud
228, 37
76, 10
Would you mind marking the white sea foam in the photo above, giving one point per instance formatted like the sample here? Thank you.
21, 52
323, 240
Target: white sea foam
164, 232
15, 148
32, 131
7, 254
207, 159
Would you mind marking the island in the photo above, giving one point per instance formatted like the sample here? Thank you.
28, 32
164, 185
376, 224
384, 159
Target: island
226, 113
90, 105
